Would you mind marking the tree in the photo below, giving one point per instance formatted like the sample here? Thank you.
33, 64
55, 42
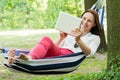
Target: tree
103, 45
113, 35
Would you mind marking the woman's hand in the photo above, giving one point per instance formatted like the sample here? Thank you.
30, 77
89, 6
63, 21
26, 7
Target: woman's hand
77, 34
63, 35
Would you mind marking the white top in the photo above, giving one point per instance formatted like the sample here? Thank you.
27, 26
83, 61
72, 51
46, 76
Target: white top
89, 39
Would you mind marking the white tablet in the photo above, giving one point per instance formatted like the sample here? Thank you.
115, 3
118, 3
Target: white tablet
67, 22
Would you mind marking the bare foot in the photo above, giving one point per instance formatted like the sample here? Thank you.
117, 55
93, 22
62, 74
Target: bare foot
11, 53
11, 60
11, 57
23, 56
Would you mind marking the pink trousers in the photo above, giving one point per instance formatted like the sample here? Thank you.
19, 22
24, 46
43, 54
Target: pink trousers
46, 48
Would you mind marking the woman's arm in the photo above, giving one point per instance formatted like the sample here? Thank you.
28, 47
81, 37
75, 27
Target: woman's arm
61, 38
77, 34
84, 47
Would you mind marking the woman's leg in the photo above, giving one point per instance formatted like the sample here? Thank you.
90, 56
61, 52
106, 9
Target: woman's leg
46, 48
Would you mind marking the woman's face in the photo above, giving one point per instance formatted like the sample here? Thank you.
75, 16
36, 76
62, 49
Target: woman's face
88, 22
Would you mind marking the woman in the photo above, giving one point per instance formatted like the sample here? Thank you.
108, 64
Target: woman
85, 39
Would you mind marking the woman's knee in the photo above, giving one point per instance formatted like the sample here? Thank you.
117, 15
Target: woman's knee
44, 39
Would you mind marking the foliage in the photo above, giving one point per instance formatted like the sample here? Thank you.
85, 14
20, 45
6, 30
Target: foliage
35, 14
102, 51
112, 73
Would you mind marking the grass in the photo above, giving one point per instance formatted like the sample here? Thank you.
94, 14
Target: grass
90, 65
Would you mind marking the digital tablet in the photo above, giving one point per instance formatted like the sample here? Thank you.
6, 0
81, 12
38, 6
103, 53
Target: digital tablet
67, 22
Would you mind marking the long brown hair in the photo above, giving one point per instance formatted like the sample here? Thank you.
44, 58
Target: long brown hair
95, 30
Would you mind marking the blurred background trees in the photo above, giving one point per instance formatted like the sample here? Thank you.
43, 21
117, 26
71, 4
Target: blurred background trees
35, 14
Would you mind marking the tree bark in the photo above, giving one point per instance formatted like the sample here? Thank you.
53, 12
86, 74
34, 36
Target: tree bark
89, 3
103, 45
113, 33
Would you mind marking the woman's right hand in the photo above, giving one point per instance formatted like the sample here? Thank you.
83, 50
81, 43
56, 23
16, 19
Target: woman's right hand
63, 35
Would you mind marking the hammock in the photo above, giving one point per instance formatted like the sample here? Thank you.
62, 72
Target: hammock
99, 7
55, 65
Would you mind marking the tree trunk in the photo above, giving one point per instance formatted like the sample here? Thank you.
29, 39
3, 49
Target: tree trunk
103, 45
113, 34
89, 3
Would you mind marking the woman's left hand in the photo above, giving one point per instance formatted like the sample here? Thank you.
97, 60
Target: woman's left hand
77, 34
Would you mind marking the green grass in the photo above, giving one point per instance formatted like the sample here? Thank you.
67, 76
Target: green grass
90, 65
25, 42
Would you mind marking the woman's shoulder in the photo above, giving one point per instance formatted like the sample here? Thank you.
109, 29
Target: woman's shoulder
93, 36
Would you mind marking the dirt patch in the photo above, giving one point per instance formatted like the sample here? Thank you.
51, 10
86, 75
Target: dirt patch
101, 56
